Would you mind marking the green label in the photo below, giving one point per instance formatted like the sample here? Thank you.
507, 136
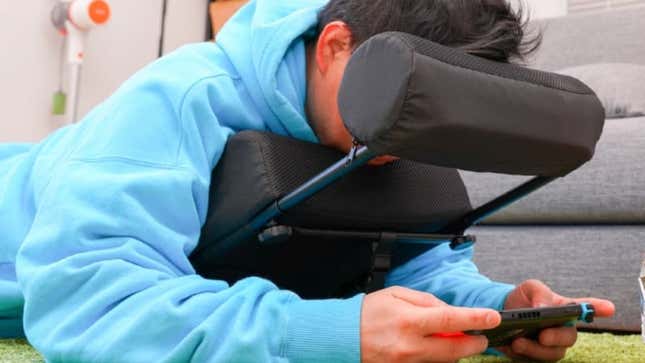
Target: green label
58, 103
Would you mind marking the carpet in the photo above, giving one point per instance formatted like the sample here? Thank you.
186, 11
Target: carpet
591, 348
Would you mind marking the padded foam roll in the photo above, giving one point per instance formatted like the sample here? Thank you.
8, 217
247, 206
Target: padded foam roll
406, 96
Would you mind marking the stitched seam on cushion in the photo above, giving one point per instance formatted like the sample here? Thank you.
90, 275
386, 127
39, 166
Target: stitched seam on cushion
481, 60
401, 105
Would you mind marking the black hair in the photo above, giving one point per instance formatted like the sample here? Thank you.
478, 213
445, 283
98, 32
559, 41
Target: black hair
490, 29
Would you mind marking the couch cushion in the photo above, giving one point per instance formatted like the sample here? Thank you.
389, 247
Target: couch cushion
619, 86
600, 37
609, 189
582, 261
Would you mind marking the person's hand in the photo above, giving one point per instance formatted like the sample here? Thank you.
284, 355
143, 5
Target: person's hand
397, 325
382, 160
552, 344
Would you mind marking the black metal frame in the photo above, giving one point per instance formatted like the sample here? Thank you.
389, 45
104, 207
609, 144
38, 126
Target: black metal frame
280, 233
480, 213
357, 157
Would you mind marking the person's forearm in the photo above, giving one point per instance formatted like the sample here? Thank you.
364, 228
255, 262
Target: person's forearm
106, 278
452, 276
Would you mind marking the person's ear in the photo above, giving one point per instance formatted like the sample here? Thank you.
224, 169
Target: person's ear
335, 42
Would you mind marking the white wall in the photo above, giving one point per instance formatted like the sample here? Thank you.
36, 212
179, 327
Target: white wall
580, 6
30, 48
29, 65
185, 23
547, 8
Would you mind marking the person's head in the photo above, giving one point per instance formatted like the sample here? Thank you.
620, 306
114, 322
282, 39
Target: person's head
485, 28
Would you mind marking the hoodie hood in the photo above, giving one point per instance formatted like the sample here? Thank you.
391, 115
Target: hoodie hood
265, 42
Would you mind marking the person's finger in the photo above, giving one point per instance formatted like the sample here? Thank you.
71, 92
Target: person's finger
531, 349
450, 319
382, 160
603, 308
558, 337
538, 293
530, 293
417, 298
452, 349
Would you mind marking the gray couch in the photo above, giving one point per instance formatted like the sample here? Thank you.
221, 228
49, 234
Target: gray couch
584, 234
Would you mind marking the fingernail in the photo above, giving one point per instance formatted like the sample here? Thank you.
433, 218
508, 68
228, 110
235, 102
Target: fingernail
492, 318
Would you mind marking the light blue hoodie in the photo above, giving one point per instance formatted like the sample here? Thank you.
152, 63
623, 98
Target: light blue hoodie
97, 220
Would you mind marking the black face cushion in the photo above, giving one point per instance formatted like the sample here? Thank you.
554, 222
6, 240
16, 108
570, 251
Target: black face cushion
405, 96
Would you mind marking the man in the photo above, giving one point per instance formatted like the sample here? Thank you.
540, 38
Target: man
98, 220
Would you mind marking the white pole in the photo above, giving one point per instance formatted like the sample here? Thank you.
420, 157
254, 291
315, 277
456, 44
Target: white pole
75, 40
74, 86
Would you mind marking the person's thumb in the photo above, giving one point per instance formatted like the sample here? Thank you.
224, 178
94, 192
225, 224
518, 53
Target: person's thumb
414, 297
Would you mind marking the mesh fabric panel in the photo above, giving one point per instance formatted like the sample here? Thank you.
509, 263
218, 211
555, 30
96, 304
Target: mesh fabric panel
401, 196
258, 168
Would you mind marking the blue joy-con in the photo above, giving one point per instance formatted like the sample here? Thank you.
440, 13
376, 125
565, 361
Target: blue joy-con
587, 313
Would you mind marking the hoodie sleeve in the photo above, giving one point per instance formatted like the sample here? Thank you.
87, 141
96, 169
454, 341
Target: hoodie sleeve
104, 269
451, 276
